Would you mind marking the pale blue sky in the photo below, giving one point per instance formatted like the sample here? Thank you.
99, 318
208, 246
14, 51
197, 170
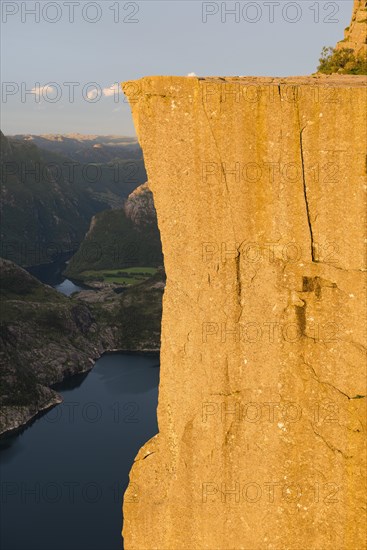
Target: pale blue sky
169, 38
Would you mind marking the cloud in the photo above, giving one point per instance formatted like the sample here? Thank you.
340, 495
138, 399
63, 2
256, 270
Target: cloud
192, 74
113, 90
92, 93
43, 91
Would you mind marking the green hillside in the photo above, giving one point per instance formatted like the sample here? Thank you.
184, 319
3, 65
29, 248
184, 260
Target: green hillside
120, 239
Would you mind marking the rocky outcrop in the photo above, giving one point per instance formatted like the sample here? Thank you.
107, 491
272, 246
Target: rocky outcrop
124, 237
139, 207
355, 36
259, 186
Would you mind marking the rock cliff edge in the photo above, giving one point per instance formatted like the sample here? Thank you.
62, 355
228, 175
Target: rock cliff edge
260, 188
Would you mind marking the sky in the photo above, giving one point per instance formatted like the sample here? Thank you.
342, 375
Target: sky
61, 60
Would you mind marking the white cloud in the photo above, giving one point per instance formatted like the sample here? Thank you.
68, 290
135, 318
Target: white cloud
92, 93
192, 74
113, 90
43, 91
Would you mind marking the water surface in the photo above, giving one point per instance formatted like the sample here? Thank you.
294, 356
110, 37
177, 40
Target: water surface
63, 477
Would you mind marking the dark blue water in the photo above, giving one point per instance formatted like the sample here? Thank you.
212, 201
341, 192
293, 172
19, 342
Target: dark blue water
63, 477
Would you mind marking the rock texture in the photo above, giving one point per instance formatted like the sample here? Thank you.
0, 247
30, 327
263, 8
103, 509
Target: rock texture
259, 186
139, 206
355, 36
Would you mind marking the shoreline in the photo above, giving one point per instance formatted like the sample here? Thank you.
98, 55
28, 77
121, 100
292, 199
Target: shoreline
26, 418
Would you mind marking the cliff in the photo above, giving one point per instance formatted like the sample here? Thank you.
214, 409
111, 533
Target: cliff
259, 186
355, 36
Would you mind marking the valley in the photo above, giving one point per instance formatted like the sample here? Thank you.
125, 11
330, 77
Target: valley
53, 186
47, 337
97, 244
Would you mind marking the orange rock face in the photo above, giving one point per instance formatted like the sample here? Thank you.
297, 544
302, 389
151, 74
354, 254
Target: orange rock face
260, 188
355, 36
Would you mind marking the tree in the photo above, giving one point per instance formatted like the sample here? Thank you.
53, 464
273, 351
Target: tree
343, 61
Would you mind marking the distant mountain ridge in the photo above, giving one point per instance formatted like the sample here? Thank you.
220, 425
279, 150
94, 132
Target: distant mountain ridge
49, 198
87, 148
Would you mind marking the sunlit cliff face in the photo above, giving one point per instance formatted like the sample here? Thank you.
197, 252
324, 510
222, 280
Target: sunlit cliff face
355, 36
259, 186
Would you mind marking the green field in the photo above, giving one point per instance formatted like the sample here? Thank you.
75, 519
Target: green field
128, 276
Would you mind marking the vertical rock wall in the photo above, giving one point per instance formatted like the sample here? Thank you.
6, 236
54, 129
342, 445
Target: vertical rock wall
355, 36
259, 186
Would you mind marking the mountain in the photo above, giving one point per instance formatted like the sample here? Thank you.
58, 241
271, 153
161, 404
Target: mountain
121, 238
46, 336
37, 211
87, 148
48, 199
